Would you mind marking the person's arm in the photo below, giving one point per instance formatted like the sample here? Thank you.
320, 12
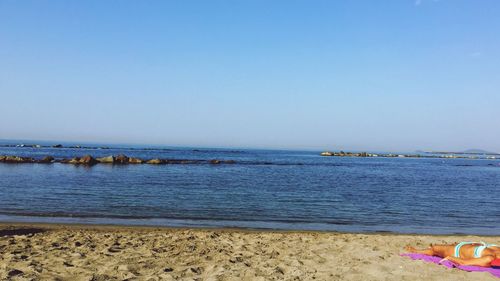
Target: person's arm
482, 261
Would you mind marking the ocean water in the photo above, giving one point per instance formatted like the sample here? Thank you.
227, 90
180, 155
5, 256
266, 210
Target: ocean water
264, 189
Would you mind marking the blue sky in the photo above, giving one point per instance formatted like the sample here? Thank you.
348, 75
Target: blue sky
361, 75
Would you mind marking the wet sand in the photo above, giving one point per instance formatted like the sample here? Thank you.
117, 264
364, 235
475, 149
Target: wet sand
83, 252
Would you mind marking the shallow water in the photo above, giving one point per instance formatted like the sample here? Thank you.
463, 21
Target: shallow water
264, 189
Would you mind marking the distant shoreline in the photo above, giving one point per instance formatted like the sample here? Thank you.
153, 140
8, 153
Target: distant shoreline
444, 155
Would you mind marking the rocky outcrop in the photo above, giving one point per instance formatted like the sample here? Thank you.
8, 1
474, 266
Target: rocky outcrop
121, 159
107, 160
88, 160
46, 159
155, 161
16, 159
75, 161
85, 160
390, 155
132, 160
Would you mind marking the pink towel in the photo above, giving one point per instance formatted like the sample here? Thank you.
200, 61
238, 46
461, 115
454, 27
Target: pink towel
449, 264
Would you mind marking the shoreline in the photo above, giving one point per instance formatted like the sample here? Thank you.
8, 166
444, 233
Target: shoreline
110, 252
263, 226
111, 226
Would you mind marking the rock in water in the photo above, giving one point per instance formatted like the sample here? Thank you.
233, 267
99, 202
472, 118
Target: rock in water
121, 159
107, 160
17, 159
88, 160
75, 160
155, 161
13, 159
132, 160
47, 159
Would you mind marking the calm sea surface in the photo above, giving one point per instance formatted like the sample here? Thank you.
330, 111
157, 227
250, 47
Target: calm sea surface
264, 189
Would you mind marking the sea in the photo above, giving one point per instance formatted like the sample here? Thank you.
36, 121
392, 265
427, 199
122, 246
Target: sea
263, 189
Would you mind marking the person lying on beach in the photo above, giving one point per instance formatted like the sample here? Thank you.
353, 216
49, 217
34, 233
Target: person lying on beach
463, 253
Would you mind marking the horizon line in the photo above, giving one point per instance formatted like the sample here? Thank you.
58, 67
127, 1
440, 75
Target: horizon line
132, 144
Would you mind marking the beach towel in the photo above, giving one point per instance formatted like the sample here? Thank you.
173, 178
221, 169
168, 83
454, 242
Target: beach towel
449, 264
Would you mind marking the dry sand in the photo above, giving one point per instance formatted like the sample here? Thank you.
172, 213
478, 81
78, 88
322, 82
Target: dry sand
64, 252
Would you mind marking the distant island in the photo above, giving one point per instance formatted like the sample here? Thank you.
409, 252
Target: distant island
419, 154
468, 151
478, 151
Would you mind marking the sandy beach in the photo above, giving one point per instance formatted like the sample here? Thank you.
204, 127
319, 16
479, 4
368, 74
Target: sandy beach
78, 252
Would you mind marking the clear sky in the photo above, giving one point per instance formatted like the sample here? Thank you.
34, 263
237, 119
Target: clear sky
395, 75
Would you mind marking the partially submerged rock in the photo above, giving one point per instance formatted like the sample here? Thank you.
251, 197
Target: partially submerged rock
155, 161
121, 159
46, 159
88, 160
85, 160
75, 160
108, 160
132, 160
16, 159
